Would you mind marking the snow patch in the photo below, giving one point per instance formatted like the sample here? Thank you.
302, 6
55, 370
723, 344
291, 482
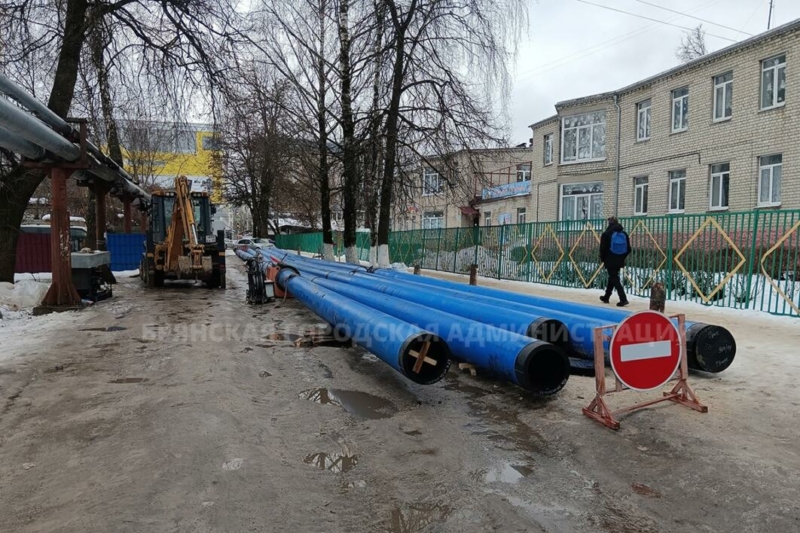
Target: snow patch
24, 294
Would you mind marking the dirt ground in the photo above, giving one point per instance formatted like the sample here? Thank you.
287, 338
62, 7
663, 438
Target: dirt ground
177, 410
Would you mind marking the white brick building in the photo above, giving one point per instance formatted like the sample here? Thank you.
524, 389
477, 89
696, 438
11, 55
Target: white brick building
719, 133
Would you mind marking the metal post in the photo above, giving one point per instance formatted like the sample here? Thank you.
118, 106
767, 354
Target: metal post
62, 291
670, 259
438, 247
126, 209
473, 274
100, 191
500, 251
752, 259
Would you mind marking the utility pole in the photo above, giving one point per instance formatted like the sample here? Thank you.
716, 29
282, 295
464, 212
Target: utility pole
769, 19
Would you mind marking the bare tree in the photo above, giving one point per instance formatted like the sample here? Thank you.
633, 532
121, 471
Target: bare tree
258, 151
158, 38
693, 45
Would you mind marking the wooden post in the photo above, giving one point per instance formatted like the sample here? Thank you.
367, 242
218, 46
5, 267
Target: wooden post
62, 291
658, 297
473, 274
416, 270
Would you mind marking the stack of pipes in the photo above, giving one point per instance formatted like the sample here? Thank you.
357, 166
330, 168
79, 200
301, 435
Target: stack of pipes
519, 347
710, 348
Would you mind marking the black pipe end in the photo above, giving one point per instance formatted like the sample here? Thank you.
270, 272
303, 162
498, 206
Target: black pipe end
709, 348
550, 330
542, 368
437, 351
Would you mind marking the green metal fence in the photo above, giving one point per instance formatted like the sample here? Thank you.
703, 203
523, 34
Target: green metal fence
747, 260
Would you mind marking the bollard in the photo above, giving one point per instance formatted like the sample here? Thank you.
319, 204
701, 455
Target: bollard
416, 270
658, 297
473, 274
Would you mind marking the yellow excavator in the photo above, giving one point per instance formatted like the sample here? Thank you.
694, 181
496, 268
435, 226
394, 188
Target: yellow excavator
180, 241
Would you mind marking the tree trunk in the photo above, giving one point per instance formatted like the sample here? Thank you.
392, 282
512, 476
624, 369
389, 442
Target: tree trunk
349, 162
20, 185
390, 149
373, 177
322, 142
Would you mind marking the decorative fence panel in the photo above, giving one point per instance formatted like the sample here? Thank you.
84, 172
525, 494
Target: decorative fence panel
747, 260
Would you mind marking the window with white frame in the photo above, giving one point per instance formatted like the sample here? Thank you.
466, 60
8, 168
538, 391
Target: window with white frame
773, 82
640, 188
677, 191
723, 96
583, 137
548, 149
770, 169
524, 172
719, 186
582, 201
643, 120
521, 215
432, 182
432, 220
680, 110
487, 218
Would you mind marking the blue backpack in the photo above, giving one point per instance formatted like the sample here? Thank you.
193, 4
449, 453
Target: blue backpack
619, 243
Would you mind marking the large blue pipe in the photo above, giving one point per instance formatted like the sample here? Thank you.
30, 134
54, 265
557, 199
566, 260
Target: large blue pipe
543, 324
531, 324
709, 348
537, 366
393, 340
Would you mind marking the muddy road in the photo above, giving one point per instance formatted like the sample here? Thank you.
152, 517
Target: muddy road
184, 410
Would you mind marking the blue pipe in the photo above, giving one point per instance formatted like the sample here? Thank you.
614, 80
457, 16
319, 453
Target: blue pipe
537, 322
537, 366
709, 348
394, 341
534, 325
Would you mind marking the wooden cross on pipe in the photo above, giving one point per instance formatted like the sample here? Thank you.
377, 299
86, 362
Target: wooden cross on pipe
422, 357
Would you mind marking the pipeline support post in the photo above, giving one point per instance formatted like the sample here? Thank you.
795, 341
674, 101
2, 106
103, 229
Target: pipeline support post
62, 291
416, 270
100, 191
126, 213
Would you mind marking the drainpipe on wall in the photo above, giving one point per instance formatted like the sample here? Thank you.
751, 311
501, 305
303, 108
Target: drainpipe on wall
619, 139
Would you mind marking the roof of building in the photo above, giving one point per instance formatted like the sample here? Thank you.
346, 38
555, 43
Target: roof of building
708, 58
544, 121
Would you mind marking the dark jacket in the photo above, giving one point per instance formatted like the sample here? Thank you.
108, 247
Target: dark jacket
609, 259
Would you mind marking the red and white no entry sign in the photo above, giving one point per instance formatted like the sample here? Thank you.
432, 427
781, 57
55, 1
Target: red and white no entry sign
645, 350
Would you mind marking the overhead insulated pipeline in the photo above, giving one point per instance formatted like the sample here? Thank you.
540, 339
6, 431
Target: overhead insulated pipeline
397, 343
36, 139
709, 348
539, 367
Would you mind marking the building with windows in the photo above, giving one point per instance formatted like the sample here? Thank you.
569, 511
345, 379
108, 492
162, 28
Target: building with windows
467, 188
156, 152
719, 133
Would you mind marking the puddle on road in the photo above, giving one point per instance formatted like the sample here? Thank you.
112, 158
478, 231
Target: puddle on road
507, 473
128, 380
109, 328
417, 517
332, 462
357, 403
413, 432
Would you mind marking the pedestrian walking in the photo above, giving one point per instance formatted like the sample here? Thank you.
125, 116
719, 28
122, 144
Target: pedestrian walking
615, 245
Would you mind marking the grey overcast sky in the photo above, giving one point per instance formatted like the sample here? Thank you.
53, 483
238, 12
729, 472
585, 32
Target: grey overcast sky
575, 49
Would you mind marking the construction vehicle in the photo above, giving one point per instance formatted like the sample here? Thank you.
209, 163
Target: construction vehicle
180, 242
